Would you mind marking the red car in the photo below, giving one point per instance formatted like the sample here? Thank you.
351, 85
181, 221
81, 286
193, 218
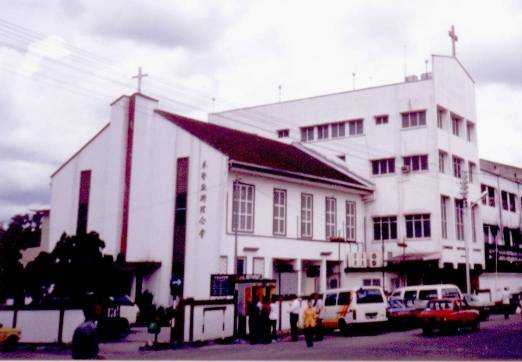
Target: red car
448, 314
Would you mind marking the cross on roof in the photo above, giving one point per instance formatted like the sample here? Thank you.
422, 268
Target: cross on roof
139, 76
454, 39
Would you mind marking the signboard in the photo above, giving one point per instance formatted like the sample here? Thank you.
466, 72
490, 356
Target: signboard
222, 285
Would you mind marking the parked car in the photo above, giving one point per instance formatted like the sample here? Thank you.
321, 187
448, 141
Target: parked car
448, 314
420, 295
401, 315
346, 307
481, 302
9, 338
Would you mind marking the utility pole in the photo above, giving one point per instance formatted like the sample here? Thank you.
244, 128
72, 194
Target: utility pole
464, 188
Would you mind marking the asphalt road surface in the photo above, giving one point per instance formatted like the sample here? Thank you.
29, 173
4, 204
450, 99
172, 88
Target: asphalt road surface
497, 339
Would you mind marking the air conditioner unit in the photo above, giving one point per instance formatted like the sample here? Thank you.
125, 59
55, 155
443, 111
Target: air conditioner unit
374, 260
357, 260
405, 169
363, 260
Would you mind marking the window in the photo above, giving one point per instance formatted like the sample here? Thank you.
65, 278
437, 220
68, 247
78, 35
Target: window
470, 131
355, 127
456, 122
443, 156
384, 166
243, 208
490, 233
444, 200
385, 228
512, 202
504, 196
459, 219
282, 133
307, 134
410, 295
457, 166
338, 129
331, 217
382, 119
369, 296
472, 168
83, 202
322, 132
418, 226
416, 163
241, 266
350, 220
258, 266
279, 222
413, 119
330, 299
441, 115
307, 203
344, 298
489, 199
428, 294
450, 293
473, 224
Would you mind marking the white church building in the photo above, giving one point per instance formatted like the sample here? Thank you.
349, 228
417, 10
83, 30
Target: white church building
375, 186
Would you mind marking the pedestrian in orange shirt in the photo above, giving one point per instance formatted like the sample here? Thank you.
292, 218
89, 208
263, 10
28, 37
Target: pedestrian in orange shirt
309, 320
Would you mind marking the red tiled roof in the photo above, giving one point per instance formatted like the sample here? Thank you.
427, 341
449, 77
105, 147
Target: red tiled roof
253, 149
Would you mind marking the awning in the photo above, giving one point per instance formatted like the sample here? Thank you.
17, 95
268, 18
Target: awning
411, 257
140, 266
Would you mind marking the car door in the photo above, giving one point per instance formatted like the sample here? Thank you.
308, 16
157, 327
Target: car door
330, 310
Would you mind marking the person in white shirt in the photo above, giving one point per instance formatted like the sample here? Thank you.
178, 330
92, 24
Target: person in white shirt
273, 316
294, 317
506, 296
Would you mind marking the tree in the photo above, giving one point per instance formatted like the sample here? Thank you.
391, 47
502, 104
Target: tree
23, 232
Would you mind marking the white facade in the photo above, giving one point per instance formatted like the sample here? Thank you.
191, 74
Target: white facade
210, 246
449, 87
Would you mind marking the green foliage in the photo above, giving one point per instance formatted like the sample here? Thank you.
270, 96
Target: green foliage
23, 232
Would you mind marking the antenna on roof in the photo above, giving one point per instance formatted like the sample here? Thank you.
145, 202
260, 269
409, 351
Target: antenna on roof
279, 87
213, 104
405, 64
353, 79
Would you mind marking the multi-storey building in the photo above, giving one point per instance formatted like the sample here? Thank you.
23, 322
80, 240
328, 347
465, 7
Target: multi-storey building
417, 142
502, 223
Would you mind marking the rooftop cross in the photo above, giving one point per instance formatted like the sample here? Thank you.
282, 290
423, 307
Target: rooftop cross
454, 39
138, 77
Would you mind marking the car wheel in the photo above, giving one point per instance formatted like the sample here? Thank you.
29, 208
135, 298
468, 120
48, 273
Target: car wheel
476, 326
343, 327
10, 344
427, 330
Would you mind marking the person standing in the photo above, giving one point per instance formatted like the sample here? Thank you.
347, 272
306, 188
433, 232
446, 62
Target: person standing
319, 311
273, 316
505, 302
294, 317
253, 320
309, 323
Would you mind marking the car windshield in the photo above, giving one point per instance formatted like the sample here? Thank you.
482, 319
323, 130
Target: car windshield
365, 296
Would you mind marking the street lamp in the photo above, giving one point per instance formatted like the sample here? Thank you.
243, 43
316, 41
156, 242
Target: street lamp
472, 204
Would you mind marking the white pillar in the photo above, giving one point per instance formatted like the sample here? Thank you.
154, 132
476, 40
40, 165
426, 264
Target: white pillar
322, 276
269, 268
298, 267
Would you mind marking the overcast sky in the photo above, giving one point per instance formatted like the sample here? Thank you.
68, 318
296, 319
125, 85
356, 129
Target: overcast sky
63, 61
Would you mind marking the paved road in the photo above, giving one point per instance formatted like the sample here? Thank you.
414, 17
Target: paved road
497, 339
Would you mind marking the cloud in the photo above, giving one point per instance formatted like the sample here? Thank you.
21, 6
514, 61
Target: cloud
184, 25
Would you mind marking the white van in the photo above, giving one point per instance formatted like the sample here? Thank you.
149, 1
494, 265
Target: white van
348, 306
420, 295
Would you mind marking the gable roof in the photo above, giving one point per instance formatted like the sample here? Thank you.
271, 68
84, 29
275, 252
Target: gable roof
253, 150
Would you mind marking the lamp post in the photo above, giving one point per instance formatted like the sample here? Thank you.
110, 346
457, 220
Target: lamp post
471, 205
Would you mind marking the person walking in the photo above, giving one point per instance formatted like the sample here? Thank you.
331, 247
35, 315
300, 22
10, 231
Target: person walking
294, 317
505, 302
273, 316
85, 341
309, 323
319, 311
